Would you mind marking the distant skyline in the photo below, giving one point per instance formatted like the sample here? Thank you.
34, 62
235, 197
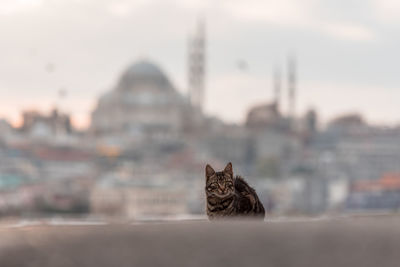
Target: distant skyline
347, 53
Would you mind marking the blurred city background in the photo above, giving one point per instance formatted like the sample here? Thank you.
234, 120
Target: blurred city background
112, 109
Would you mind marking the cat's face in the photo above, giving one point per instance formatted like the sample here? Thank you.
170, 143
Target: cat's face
219, 184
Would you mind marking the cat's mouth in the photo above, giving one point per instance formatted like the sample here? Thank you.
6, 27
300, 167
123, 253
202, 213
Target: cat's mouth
228, 194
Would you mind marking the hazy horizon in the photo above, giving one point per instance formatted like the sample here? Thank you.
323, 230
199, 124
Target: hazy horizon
346, 53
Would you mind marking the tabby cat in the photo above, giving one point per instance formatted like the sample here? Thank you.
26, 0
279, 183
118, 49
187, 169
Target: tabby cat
229, 196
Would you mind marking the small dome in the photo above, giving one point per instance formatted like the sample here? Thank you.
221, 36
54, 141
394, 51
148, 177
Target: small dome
143, 73
144, 68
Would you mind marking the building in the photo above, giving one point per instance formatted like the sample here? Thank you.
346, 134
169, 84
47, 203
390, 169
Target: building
266, 116
143, 104
39, 125
5, 127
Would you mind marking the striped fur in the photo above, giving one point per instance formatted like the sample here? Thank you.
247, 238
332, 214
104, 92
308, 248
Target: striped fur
229, 196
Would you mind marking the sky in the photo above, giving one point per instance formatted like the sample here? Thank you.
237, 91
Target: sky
346, 51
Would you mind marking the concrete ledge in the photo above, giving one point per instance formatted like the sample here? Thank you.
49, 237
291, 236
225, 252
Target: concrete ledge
359, 241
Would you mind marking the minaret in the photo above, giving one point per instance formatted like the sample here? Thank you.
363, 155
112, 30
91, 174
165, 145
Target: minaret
292, 88
277, 87
196, 66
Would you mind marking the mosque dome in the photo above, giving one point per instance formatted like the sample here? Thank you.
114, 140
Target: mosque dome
143, 74
143, 103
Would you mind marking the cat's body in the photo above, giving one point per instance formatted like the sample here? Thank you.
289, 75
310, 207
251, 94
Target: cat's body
229, 196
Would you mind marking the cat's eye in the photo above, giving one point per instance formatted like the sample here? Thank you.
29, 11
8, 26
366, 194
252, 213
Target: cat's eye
211, 187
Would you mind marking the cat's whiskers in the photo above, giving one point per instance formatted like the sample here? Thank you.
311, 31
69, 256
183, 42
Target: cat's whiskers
222, 197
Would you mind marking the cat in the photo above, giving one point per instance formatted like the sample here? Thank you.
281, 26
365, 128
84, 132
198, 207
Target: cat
229, 196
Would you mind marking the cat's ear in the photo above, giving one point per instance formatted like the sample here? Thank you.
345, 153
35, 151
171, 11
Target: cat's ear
228, 169
209, 171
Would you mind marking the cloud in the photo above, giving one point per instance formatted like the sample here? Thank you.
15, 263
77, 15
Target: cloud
349, 31
9, 7
303, 15
284, 12
387, 11
124, 8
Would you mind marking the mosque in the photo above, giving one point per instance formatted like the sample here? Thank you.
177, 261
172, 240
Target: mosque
143, 103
